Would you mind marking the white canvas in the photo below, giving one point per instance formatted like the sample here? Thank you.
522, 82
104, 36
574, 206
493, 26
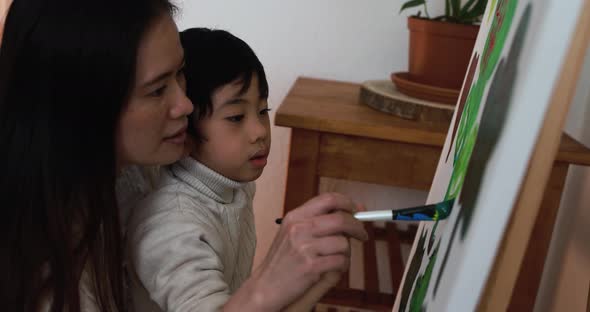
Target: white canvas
535, 45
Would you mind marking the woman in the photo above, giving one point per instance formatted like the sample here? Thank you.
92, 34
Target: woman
3, 9
86, 89
72, 111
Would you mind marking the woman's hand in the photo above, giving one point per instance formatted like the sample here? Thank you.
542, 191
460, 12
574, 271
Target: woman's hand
315, 293
313, 239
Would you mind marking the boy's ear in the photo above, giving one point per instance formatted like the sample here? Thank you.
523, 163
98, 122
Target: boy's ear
190, 146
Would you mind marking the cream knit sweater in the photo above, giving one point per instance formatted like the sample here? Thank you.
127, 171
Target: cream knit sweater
191, 242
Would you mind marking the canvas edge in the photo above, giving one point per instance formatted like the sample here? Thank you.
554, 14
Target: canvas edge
502, 279
448, 145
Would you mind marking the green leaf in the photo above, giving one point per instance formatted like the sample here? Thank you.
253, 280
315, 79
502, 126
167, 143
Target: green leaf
480, 7
466, 7
447, 7
456, 7
411, 4
477, 10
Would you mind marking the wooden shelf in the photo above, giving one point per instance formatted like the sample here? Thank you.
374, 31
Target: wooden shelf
333, 107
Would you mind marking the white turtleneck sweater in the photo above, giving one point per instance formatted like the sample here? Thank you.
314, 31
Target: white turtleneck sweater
191, 242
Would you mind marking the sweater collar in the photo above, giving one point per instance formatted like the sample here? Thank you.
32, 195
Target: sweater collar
205, 180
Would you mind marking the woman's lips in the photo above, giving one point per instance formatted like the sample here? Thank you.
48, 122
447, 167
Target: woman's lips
178, 138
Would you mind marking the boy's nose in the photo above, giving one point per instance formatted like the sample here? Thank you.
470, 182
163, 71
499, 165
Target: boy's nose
259, 131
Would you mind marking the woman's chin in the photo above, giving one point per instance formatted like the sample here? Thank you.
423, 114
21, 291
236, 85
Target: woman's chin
167, 156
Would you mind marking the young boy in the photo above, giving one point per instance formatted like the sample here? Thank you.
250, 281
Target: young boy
192, 241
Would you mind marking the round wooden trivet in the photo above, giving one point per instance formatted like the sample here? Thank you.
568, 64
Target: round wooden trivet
383, 96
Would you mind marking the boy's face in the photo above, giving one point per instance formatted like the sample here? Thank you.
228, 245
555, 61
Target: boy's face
237, 134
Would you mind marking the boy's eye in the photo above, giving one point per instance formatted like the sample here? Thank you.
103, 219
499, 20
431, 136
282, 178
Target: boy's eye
158, 92
265, 111
236, 118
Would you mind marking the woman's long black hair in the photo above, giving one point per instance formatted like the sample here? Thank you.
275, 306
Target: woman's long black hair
66, 71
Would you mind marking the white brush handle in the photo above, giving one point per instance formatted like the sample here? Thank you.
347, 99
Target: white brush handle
376, 215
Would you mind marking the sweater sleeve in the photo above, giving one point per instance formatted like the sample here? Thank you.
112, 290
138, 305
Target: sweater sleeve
174, 259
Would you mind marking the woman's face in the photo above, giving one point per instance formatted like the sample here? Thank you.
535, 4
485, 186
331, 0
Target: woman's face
152, 127
4, 4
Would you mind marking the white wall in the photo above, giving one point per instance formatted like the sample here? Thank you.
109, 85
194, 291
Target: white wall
356, 41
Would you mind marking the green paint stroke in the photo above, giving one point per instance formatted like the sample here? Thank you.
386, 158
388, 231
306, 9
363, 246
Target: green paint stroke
491, 12
413, 269
468, 128
432, 236
422, 282
492, 124
466, 138
497, 37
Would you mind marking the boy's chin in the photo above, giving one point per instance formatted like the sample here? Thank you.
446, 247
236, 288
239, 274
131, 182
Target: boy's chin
250, 176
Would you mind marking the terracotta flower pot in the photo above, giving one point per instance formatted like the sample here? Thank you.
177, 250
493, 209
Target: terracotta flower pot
440, 51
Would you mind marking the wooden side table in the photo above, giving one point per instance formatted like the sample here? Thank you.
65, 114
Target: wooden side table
333, 135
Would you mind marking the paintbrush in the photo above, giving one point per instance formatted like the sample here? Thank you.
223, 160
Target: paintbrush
432, 212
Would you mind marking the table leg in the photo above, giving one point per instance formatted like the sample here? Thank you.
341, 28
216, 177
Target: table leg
371, 275
302, 177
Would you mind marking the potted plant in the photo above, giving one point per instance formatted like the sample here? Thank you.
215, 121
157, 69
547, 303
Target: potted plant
441, 46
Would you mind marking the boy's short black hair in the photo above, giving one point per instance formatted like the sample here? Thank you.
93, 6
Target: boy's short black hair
214, 58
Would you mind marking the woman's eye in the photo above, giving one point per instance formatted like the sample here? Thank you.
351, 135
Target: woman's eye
236, 118
158, 92
181, 81
265, 111
180, 71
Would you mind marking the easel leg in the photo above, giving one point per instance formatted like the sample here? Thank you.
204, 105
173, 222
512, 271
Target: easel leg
529, 278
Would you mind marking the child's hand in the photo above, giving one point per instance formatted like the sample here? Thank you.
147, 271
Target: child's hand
312, 240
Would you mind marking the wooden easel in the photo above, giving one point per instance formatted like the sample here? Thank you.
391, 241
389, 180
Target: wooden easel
503, 277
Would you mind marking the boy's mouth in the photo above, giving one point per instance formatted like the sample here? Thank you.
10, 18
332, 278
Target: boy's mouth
259, 159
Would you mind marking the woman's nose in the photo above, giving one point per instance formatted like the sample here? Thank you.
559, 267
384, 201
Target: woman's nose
182, 105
